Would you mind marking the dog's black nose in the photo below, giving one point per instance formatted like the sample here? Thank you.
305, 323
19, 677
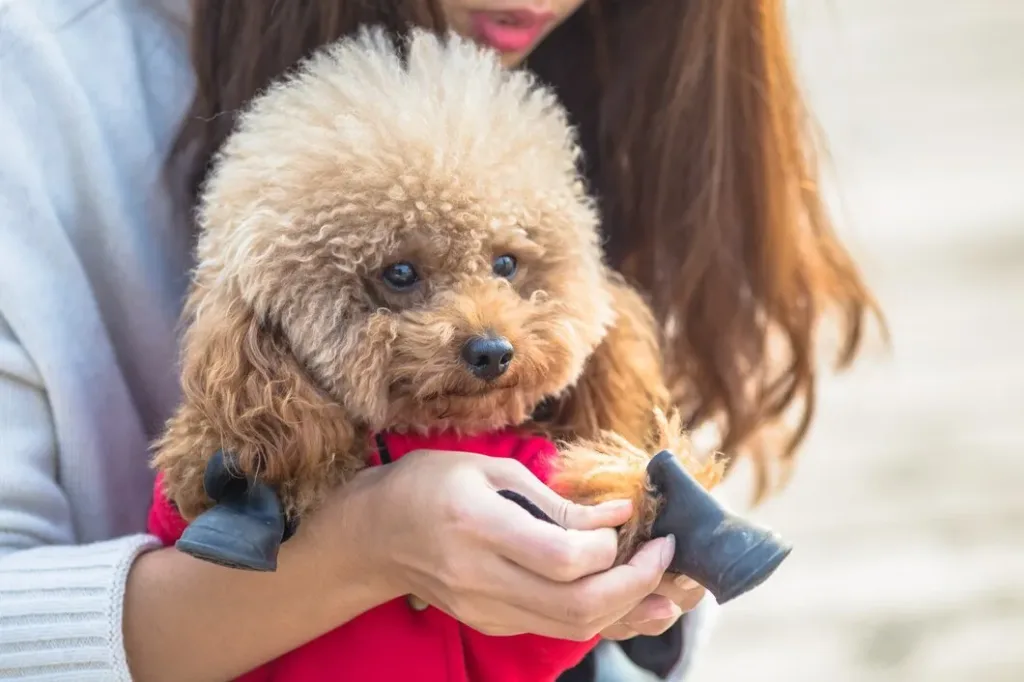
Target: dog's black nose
487, 356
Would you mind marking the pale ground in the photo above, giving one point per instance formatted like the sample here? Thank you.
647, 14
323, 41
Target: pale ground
907, 511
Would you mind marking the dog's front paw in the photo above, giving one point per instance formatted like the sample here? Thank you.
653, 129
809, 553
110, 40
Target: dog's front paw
245, 526
610, 468
723, 552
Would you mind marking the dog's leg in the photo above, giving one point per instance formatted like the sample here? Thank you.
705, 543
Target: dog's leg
238, 519
725, 553
254, 441
670, 493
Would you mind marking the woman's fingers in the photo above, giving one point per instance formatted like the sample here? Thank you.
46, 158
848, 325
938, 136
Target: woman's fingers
653, 616
598, 600
489, 562
659, 611
587, 545
619, 632
498, 618
654, 607
505, 599
555, 554
512, 475
683, 591
575, 610
674, 596
627, 585
653, 628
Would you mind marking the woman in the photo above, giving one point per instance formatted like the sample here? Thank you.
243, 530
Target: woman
695, 145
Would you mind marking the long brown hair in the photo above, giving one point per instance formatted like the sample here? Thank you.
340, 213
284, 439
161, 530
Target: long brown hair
698, 147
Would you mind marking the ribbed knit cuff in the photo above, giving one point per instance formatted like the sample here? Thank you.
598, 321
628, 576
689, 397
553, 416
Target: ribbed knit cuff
61, 611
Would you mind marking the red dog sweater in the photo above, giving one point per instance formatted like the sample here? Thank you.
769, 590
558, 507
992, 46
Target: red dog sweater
394, 641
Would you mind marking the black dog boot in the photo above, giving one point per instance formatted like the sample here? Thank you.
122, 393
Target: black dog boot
246, 526
726, 554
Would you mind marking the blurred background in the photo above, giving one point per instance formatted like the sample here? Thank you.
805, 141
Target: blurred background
907, 507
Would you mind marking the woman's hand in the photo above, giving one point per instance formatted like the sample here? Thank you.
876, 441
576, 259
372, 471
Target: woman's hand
676, 595
435, 527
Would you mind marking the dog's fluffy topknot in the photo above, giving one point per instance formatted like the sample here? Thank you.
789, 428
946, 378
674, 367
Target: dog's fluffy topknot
446, 113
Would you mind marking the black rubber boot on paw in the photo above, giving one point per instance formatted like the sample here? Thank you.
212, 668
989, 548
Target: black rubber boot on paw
246, 526
726, 554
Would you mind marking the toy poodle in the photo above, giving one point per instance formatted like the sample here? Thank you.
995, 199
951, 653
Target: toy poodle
396, 242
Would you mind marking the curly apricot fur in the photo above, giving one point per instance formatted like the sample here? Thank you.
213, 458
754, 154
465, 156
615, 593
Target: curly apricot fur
296, 350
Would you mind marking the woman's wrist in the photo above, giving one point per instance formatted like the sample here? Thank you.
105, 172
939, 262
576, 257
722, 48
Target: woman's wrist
341, 550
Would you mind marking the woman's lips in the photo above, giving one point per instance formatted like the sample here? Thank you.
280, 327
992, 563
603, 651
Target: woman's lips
510, 31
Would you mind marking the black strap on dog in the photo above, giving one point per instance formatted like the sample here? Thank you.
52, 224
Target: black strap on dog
518, 498
382, 449
526, 504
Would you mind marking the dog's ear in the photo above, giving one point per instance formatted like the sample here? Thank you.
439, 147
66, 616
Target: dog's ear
245, 393
623, 381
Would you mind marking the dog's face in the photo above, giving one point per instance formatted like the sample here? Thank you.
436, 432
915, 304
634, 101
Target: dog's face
431, 261
474, 312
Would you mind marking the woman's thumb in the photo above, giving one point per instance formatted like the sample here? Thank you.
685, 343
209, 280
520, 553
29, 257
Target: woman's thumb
518, 484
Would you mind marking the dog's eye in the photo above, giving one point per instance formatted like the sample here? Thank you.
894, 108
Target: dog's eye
400, 276
505, 266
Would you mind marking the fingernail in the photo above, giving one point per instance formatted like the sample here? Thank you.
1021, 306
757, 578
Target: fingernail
665, 608
668, 550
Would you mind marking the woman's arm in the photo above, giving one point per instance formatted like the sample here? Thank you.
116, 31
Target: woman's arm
60, 602
51, 591
227, 621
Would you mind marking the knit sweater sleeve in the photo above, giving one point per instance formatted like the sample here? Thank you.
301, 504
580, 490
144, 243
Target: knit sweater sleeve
61, 592
60, 602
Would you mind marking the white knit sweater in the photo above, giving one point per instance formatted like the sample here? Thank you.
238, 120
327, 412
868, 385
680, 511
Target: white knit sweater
93, 263
92, 270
